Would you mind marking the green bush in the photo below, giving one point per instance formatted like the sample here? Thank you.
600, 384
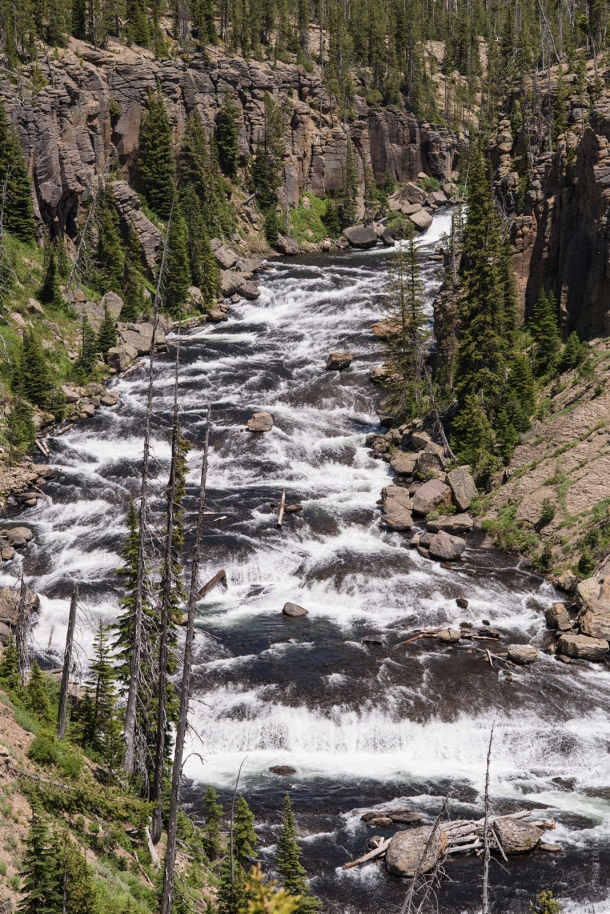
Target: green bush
430, 185
307, 221
43, 750
47, 750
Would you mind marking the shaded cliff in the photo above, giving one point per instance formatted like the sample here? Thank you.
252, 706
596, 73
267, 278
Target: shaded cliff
88, 116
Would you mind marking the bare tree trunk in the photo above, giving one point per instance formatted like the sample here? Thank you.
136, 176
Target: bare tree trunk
21, 633
485, 904
130, 711
65, 678
166, 597
174, 803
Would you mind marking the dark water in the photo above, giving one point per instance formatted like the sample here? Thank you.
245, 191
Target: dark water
363, 724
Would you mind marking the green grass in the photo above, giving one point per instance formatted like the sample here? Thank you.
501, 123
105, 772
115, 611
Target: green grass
307, 222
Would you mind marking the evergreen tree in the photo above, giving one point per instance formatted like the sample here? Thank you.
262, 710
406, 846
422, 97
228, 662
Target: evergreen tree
42, 884
21, 432
84, 365
134, 298
32, 376
506, 435
472, 436
292, 875
50, 292
521, 392
545, 330
203, 22
18, 212
231, 888
573, 353
9, 666
263, 898
349, 201
110, 254
227, 133
138, 29
407, 341
37, 697
99, 707
213, 822
156, 160
177, 276
107, 336
81, 896
560, 106
244, 836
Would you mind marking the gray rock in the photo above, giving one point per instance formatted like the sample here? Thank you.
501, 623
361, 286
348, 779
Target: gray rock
71, 395
409, 209
403, 463
420, 440
517, 837
522, 653
397, 507
462, 486
287, 246
110, 398
594, 619
449, 635
446, 548
113, 303
337, 361
294, 610
225, 257
582, 647
216, 316
380, 822
378, 373
589, 589
422, 220
430, 496
139, 337
18, 536
456, 523
9, 603
35, 307
557, 617
121, 357
407, 848
361, 236
462, 602
260, 422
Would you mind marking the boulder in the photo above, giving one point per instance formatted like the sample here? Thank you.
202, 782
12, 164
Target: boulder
445, 547
225, 257
283, 770
195, 298
567, 581
249, 290
18, 320
594, 619
403, 463
462, 602
457, 523
294, 610
5, 635
121, 357
361, 236
516, 836
588, 589
287, 246
9, 603
114, 304
378, 373
522, 653
449, 635
557, 617
420, 440
216, 316
139, 336
583, 647
8, 553
110, 398
237, 284
337, 361
71, 395
409, 209
397, 507
18, 536
437, 197
34, 307
462, 486
430, 496
260, 422
380, 822
421, 220
413, 849
250, 265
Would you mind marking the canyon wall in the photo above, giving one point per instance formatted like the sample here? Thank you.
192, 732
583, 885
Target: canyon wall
87, 118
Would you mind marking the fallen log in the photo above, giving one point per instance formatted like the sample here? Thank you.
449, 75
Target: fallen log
464, 849
218, 577
66, 428
280, 518
377, 852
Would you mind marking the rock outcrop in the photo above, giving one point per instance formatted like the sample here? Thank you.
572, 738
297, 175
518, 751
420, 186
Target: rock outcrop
415, 849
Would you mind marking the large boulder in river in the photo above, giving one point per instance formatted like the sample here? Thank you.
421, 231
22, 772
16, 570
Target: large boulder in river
581, 647
287, 246
397, 507
446, 548
430, 496
517, 837
294, 610
594, 619
421, 220
140, 336
337, 361
462, 486
260, 422
414, 849
17, 536
455, 524
361, 236
121, 357
557, 616
522, 654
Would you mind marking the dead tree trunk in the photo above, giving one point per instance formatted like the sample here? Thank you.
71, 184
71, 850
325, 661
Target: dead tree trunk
65, 677
485, 904
166, 598
174, 803
130, 710
22, 630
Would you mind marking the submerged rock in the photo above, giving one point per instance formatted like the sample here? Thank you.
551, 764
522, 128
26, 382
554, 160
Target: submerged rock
407, 848
260, 422
283, 770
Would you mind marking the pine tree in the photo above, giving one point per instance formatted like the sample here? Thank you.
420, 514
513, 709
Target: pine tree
521, 392
9, 666
349, 194
138, 29
231, 888
37, 697
107, 336
573, 353
213, 823
32, 376
544, 328
84, 365
263, 897
99, 712
203, 22
42, 884
292, 875
155, 159
407, 341
177, 277
244, 836
81, 896
227, 133
134, 298
472, 436
506, 435
50, 292
18, 213
21, 432
110, 254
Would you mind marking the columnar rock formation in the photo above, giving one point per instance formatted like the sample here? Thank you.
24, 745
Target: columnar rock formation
88, 117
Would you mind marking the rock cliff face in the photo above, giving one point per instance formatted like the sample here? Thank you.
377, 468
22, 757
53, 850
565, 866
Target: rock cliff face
561, 241
87, 119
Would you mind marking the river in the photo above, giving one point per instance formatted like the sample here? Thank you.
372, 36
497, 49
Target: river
361, 723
